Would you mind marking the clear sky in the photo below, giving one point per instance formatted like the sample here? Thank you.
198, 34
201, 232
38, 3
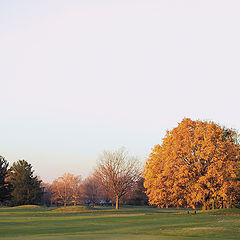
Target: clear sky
80, 77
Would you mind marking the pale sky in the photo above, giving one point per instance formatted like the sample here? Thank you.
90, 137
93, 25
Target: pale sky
80, 77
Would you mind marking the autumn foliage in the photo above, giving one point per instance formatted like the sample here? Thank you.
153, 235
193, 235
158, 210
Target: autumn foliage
66, 189
195, 166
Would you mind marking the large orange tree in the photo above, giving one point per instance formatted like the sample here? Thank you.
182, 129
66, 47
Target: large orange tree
195, 165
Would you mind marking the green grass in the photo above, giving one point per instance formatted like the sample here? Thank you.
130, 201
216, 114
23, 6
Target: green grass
127, 223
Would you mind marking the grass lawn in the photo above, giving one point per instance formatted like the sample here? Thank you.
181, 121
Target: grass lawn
128, 223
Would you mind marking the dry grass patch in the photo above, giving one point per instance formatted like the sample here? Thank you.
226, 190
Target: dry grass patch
71, 209
26, 207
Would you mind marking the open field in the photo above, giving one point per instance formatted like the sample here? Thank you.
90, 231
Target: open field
128, 223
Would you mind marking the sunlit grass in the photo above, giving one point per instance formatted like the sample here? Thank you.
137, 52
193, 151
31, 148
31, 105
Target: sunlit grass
69, 209
26, 207
127, 223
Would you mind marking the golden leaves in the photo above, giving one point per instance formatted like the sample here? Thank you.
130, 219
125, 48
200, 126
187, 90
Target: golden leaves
194, 165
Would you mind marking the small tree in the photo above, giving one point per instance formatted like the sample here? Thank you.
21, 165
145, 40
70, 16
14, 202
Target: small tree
139, 196
26, 186
4, 184
47, 194
91, 190
66, 189
117, 172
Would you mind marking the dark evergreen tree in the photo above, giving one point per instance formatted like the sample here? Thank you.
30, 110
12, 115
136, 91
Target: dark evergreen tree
139, 195
26, 186
4, 184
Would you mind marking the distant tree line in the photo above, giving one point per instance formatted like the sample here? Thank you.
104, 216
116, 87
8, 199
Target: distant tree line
116, 179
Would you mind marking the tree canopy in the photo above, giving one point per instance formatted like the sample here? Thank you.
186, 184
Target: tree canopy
26, 186
195, 165
4, 184
92, 190
66, 189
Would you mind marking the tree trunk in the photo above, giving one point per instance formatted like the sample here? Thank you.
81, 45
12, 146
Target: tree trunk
204, 206
212, 204
65, 204
229, 203
117, 202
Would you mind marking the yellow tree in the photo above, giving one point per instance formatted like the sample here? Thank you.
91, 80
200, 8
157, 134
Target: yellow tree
195, 165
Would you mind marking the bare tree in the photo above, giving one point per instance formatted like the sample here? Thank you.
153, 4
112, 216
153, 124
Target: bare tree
47, 194
66, 189
117, 172
92, 191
